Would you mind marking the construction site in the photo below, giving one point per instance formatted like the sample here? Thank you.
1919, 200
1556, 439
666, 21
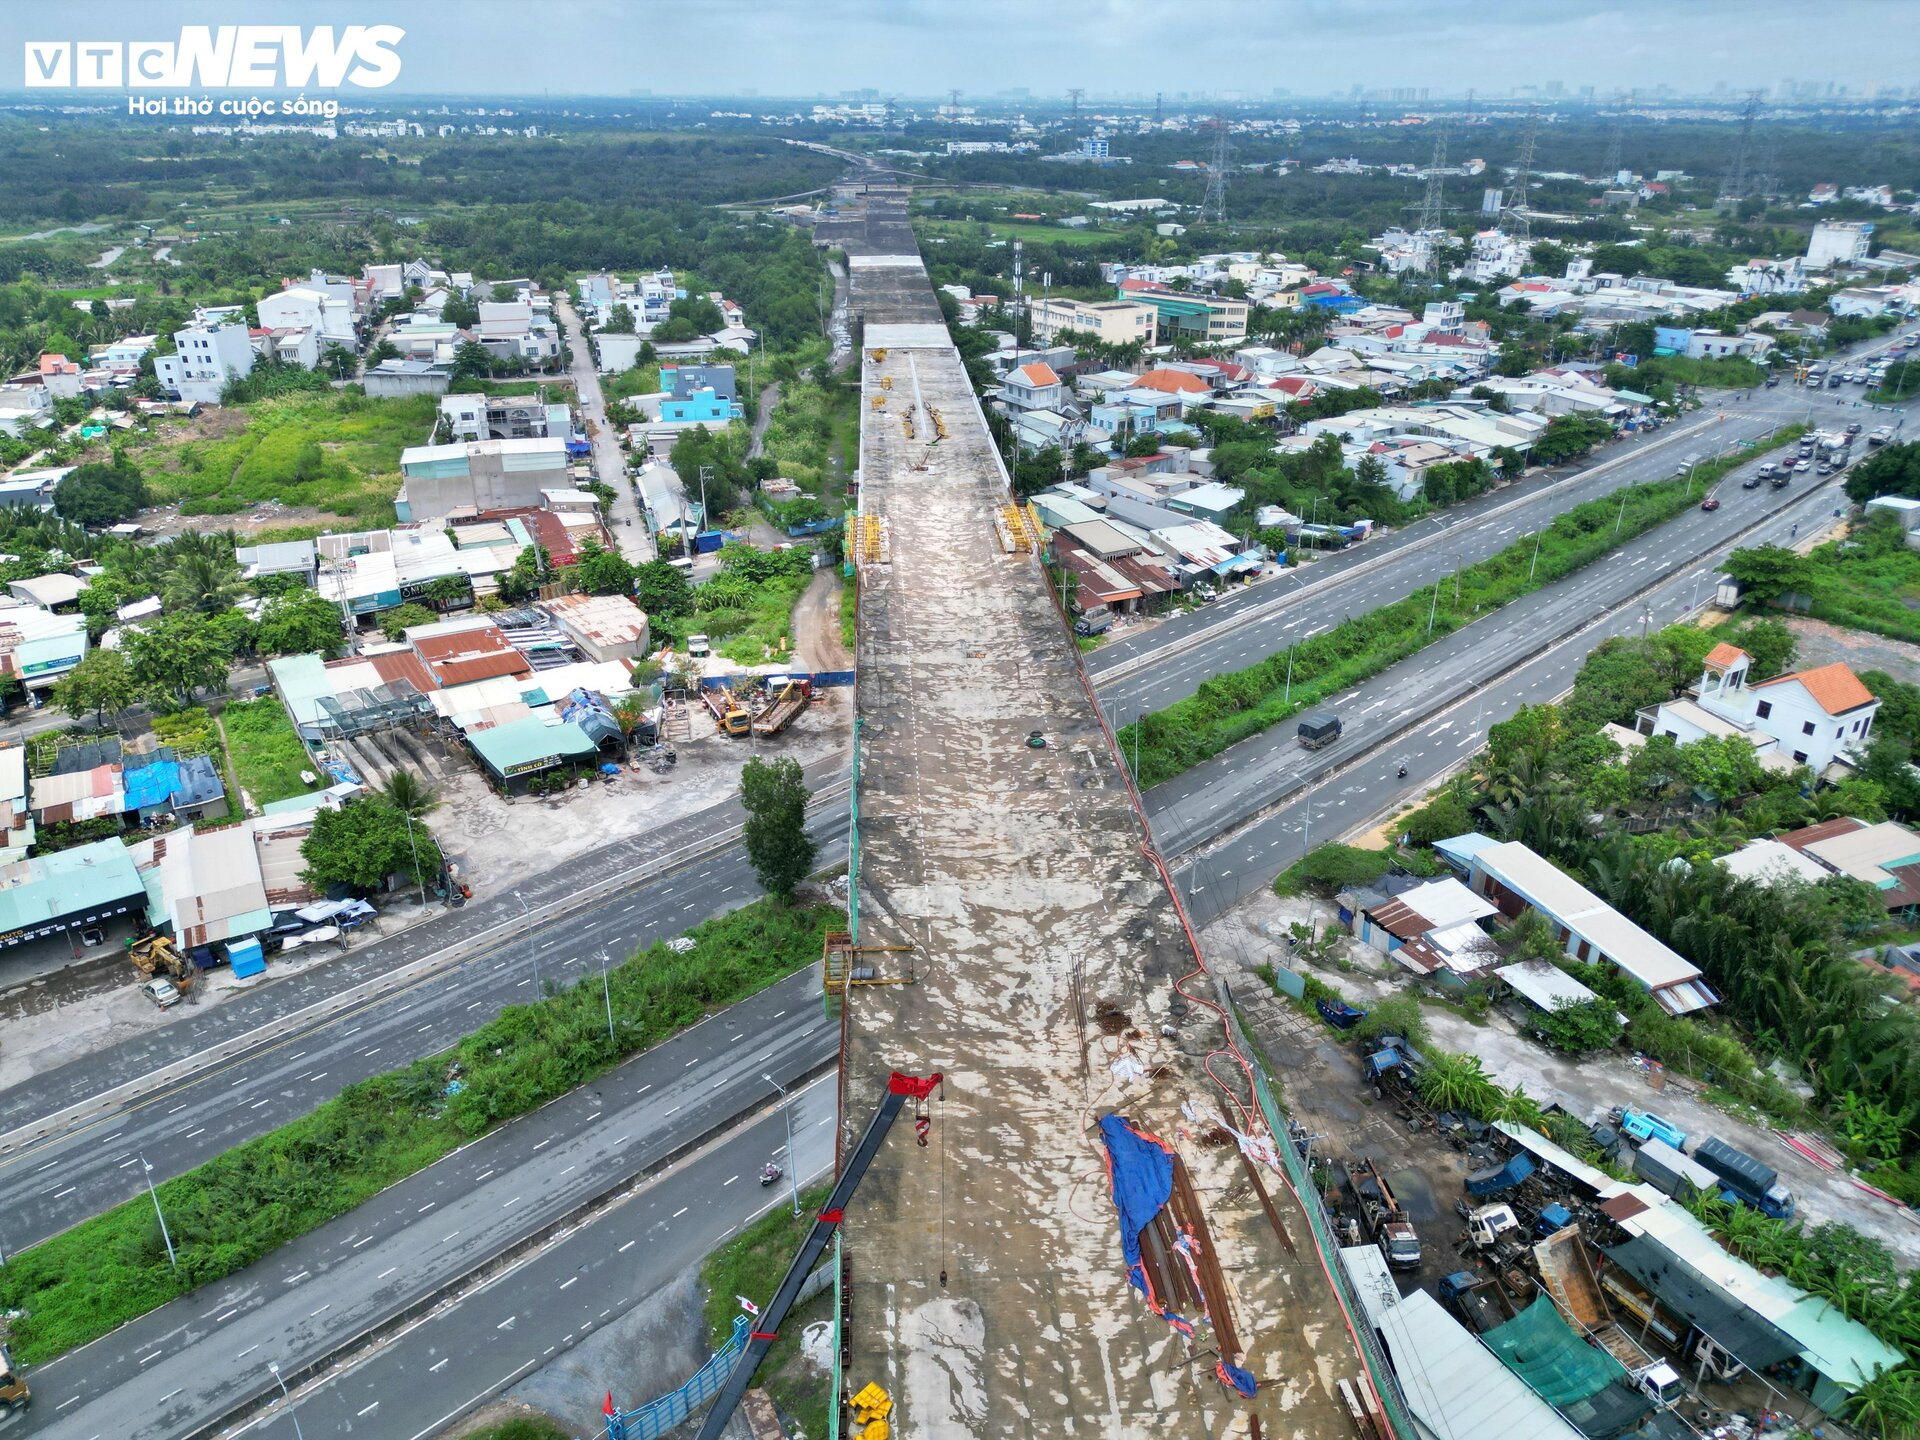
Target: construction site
1094, 1232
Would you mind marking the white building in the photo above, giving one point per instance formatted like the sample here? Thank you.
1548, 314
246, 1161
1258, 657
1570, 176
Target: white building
1495, 255
1769, 277
1838, 242
330, 319
207, 357
1813, 716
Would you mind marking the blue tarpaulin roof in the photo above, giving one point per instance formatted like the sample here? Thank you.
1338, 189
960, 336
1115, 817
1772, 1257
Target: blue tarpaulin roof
151, 785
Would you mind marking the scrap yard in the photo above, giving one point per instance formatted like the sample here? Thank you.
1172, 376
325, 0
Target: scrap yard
1092, 1234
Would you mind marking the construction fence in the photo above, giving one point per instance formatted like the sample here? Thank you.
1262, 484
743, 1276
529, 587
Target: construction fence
1379, 1369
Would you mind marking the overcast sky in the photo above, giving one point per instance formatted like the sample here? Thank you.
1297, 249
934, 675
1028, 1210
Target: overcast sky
1109, 47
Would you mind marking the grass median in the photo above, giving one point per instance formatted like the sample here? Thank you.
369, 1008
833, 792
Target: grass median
243, 1204
1229, 708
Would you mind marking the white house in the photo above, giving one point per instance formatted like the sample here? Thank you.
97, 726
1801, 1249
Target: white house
1034, 386
1812, 716
330, 319
1838, 242
206, 357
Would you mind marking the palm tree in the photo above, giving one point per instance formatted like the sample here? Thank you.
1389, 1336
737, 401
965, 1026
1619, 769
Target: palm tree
409, 794
1458, 1082
1888, 1404
204, 582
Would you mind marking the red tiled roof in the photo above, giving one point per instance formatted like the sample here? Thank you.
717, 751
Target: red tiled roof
1835, 688
1173, 382
1295, 385
1038, 374
1724, 656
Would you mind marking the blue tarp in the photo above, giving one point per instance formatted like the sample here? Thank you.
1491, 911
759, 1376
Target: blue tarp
1140, 1173
152, 785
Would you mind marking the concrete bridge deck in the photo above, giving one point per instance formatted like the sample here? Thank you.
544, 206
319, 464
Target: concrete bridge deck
988, 1290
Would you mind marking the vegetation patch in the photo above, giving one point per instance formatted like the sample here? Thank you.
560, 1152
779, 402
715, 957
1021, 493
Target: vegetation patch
245, 1203
266, 752
333, 450
751, 1264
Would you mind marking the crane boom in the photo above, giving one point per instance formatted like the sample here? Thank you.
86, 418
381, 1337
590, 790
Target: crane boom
899, 1088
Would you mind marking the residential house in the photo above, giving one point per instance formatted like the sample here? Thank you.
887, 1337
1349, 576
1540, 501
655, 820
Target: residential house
1113, 566
1814, 716
206, 359
1033, 386
68, 890
504, 417
298, 558
392, 378
330, 318
1432, 929
1587, 928
1769, 277
39, 648
1885, 856
436, 480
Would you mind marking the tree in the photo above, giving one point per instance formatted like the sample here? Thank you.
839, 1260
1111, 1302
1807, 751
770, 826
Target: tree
299, 623
1766, 572
1894, 470
601, 571
522, 581
99, 683
100, 495
385, 350
409, 794
662, 590
178, 655
363, 843
1580, 1027
775, 796
445, 591
1770, 645
208, 582
620, 322
472, 361
395, 622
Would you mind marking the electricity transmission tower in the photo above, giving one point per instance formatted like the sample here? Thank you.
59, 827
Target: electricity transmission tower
1612, 166
1519, 225
1214, 206
1156, 110
1074, 96
1433, 208
1739, 184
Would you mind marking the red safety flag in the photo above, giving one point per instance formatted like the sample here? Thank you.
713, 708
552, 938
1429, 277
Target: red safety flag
608, 1409
747, 1305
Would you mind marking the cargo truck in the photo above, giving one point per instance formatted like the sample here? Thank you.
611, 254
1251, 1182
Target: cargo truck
1645, 1125
1318, 732
1386, 1222
1671, 1172
1745, 1180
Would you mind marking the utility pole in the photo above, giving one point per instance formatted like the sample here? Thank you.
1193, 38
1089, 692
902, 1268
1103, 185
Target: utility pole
606, 989
526, 925
1621, 517
705, 522
415, 852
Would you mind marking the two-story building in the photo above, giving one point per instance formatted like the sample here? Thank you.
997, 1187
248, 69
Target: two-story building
206, 359
1812, 716
1033, 386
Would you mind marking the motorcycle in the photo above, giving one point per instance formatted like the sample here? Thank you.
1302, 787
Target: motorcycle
770, 1173
1403, 772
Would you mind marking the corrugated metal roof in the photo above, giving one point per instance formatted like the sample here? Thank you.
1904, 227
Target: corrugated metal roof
530, 740
47, 887
1455, 1386
1547, 986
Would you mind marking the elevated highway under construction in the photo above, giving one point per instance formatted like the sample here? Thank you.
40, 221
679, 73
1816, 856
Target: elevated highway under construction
1004, 878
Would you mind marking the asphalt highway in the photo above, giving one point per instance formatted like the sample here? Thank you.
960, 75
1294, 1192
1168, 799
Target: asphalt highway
1367, 788
296, 1065
191, 1363
1222, 792
466, 1355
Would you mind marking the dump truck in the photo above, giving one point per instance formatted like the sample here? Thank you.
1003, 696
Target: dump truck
1386, 1222
1488, 1223
1397, 1064
1339, 1014
1745, 1180
13, 1385
1320, 731
1671, 1172
1480, 1303
789, 702
1645, 1125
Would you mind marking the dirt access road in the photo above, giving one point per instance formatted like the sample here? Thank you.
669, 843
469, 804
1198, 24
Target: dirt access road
628, 528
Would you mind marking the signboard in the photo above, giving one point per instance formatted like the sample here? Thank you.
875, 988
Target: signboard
527, 765
42, 667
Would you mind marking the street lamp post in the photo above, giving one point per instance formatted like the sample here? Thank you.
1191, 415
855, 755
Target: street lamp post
1538, 536
526, 923
147, 1171
606, 989
292, 1414
786, 1109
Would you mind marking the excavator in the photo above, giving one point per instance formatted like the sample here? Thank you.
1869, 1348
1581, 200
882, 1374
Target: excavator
168, 973
900, 1088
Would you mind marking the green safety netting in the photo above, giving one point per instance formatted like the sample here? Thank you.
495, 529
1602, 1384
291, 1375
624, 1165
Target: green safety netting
1542, 1349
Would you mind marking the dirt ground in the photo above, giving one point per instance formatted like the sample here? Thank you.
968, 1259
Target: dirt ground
1329, 1090
1823, 644
498, 842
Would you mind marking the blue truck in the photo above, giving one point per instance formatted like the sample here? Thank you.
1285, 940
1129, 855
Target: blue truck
1645, 1125
1339, 1014
1496, 1179
1745, 1180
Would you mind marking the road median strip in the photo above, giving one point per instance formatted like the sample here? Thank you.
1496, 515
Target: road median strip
1233, 707
241, 1205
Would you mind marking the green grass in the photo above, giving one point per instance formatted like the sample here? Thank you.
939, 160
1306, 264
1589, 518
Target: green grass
191, 732
1229, 708
1875, 589
522, 1427
849, 611
246, 1202
1025, 229
267, 755
752, 1264
335, 450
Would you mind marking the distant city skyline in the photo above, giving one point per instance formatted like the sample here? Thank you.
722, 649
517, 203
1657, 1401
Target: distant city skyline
1306, 49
